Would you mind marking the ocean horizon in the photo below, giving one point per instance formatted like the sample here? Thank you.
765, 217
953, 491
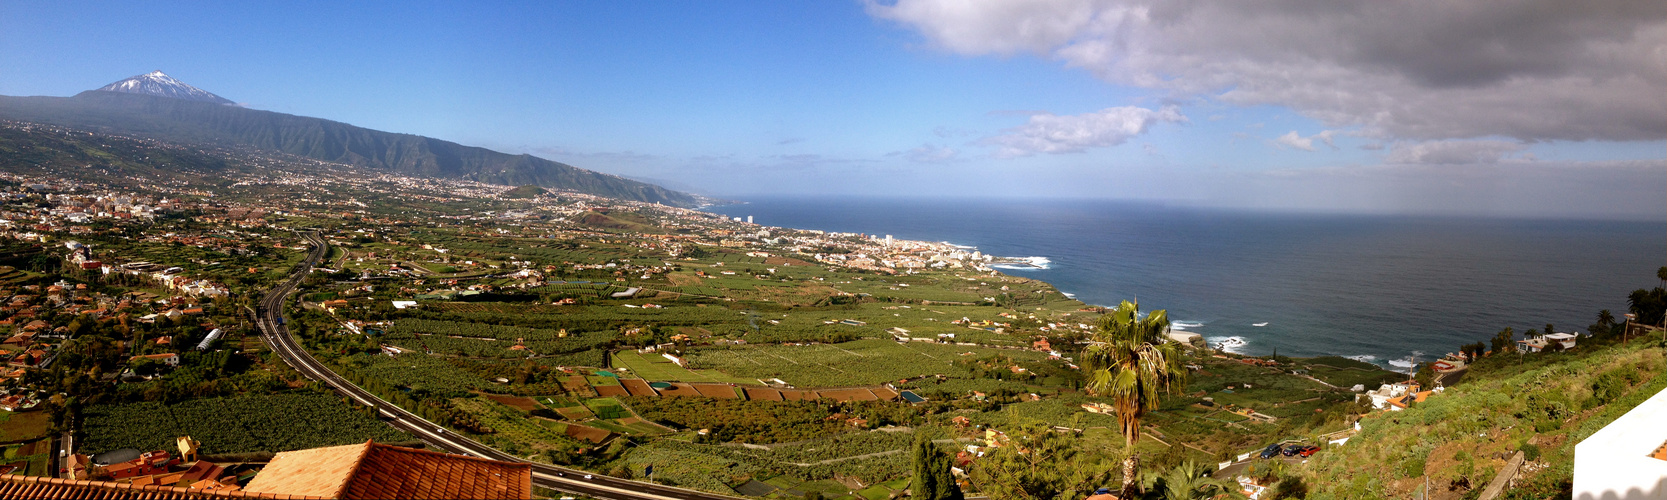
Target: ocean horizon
1387, 289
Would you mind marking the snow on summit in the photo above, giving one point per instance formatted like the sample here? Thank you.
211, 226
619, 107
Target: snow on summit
159, 84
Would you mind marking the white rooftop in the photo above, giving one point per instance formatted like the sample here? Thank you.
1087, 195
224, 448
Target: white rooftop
1615, 463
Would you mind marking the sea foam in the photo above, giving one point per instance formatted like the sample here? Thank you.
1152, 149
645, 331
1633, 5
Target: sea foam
1183, 325
1030, 264
1406, 364
1234, 344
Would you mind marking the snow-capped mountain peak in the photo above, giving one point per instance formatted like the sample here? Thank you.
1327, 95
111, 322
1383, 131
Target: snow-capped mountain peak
158, 83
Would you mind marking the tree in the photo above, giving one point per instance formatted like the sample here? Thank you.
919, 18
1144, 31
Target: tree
1291, 487
1648, 305
1041, 464
1504, 341
147, 366
1131, 360
1425, 376
1605, 324
1188, 481
1472, 351
622, 471
933, 480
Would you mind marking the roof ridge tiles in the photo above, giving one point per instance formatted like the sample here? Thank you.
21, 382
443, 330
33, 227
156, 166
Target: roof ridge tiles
15, 486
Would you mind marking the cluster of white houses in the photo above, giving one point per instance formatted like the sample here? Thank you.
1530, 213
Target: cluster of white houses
170, 277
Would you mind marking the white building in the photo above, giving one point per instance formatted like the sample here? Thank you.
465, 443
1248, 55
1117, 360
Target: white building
1567, 339
1540, 343
1386, 392
169, 359
1626, 460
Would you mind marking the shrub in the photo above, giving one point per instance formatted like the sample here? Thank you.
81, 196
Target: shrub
1290, 487
1530, 452
1609, 386
1413, 466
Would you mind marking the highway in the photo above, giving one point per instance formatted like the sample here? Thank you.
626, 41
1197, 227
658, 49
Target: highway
267, 317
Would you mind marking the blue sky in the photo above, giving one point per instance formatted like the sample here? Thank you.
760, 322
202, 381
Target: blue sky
1073, 98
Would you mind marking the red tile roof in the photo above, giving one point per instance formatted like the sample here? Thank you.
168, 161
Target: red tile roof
372, 470
32, 487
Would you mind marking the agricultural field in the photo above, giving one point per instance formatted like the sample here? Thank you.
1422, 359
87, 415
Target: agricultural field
481, 340
1345, 373
269, 423
428, 373
871, 457
688, 469
657, 368
513, 426
30, 458
23, 426
26, 442
953, 388
857, 363
1063, 411
12, 276
1248, 386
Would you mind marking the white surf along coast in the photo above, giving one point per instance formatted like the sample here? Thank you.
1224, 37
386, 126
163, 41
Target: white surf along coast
1021, 263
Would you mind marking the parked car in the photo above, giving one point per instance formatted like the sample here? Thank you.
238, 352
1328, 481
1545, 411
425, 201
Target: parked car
1309, 451
1272, 450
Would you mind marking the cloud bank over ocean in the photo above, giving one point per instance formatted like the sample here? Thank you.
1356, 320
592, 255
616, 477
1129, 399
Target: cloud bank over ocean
1521, 69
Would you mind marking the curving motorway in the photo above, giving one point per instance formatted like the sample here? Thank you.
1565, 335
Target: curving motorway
267, 317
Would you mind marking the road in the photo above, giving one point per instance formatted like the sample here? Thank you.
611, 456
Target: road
267, 317
1451, 378
1238, 468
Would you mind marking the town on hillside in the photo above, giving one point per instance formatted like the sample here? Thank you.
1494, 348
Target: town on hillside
243, 322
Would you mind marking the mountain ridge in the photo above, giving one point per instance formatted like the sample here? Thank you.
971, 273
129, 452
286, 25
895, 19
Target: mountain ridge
182, 120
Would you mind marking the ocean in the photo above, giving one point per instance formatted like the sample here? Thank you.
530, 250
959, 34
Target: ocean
1384, 289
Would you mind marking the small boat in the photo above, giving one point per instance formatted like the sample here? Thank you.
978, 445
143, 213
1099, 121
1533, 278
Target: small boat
1264, 323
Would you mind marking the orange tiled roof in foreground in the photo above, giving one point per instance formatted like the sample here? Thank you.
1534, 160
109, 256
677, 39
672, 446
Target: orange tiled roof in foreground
372, 470
32, 487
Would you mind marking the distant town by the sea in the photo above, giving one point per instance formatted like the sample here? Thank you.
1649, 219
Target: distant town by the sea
1389, 290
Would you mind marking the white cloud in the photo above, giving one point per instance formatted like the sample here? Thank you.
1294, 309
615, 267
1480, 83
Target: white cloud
1293, 140
1455, 152
1050, 133
995, 26
928, 153
1399, 69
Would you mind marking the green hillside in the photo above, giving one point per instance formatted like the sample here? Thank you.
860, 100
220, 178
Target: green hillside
524, 192
1540, 403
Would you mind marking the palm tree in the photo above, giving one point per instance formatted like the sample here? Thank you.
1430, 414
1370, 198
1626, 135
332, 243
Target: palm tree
1188, 481
1130, 359
1606, 321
